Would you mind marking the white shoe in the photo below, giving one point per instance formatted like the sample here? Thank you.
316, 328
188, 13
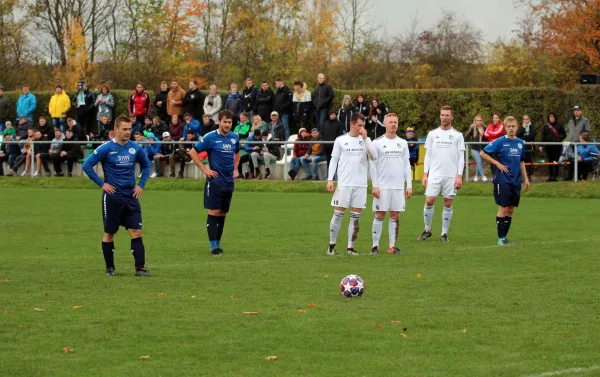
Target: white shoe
36, 174
476, 179
153, 175
24, 174
484, 178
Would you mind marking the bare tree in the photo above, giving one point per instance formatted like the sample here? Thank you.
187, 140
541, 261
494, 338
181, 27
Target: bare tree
355, 25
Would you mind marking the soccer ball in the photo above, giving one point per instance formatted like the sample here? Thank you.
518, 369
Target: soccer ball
352, 286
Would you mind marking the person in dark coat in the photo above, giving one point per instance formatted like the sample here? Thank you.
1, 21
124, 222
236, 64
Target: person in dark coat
264, 102
527, 133
322, 98
84, 101
332, 129
193, 101
160, 102
282, 103
553, 132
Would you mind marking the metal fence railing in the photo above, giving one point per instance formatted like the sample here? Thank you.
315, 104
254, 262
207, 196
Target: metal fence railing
288, 145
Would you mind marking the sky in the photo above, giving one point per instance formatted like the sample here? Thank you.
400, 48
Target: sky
495, 18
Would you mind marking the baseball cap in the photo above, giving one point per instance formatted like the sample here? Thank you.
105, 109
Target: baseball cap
577, 107
275, 113
81, 83
314, 129
166, 134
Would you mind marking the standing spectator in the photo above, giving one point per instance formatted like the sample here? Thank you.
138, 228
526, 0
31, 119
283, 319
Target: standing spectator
193, 101
105, 103
494, 131
282, 103
264, 102
208, 125
233, 103
553, 132
413, 148
4, 105
84, 101
166, 153
527, 133
26, 104
345, 112
301, 104
249, 96
314, 155
276, 130
175, 128
267, 153
377, 113
300, 150
332, 129
243, 127
158, 128
175, 100
476, 134
322, 98
586, 155
10, 152
160, 103
139, 104
577, 124
58, 107
182, 152
361, 106
75, 128
191, 124
213, 104
45, 128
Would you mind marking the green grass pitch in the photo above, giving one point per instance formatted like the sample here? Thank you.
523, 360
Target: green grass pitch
467, 308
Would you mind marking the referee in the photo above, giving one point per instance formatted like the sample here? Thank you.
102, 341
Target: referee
120, 195
223, 149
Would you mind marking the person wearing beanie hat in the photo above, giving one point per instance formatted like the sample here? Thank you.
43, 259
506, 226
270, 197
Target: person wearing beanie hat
413, 148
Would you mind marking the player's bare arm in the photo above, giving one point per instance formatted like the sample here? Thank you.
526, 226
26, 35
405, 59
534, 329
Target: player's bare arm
525, 178
198, 162
236, 162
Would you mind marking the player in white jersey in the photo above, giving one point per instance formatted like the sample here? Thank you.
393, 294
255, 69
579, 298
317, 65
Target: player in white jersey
444, 165
350, 159
390, 171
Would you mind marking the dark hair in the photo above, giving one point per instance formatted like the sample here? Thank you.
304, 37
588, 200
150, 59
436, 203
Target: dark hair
265, 133
244, 114
264, 82
257, 132
104, 86
140, 83
225, 114
137, 133
187, 115
57, 86
555, 117
299, 83
195, 82
121, 119
43, 117
190, 131
279, 80
356, 117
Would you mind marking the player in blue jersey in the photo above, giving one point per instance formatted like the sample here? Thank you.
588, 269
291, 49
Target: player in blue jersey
223, 148
120, 195
507, 153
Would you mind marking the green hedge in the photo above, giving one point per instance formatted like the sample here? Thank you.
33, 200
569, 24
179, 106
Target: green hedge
420, 108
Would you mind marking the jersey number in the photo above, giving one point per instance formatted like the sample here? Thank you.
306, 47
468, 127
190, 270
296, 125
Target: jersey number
335, 202
377, 207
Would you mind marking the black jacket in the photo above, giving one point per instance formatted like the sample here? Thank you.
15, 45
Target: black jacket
274, 149
4, 105
193, 103
161, 111
331, 130
249, 96
159, 130
277, 131
77, 131
548, 134
47, 131
73, 149
206, 128
470, 137
90, 100
344, 115
322, 96
264, 104
167, 148
11, 149
21, 129
362, 108
41, 148
283, 100
527, 138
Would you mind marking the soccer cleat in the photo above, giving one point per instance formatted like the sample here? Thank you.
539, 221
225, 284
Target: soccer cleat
508, 242
351, 251
425, 235
110, 271
394, 250
503, 242
331, 250
142, 272
375, 250
216, 251
444, 238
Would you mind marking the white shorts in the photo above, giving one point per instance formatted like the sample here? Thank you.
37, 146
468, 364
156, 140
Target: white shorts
443, 185
390, 200
350, 197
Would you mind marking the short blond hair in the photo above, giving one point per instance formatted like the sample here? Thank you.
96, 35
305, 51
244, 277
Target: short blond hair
511, 119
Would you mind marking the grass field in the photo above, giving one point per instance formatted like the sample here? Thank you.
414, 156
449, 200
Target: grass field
466, 308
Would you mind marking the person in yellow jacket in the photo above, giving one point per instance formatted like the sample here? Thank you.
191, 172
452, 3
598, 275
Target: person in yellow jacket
58, 107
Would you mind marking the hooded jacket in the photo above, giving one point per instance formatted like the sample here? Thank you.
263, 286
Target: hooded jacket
193, 125
26, 105
301, 102
59, 105
86, 107
249, 96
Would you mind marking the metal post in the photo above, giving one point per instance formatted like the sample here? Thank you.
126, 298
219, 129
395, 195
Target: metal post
467, 163
285, 161
32, 157
575, 172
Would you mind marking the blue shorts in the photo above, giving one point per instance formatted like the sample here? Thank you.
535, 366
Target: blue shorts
507, 195
217, 196
119, 211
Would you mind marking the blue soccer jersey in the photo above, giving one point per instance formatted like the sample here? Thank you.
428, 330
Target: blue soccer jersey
118, 163
221, 151
509, 153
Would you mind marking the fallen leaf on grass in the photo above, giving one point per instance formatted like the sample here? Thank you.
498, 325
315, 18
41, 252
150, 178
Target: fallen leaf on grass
326, 276
77, 307
18, 309
301, 311
22, 326
419, 275
250, 313
404, 335
231, 296
161, 294
145, 357
68, 350
378, 326
393, 321
193, 296
5, 311
464, 330
3, 280
38, 309
567, 336
272, 358
313, 305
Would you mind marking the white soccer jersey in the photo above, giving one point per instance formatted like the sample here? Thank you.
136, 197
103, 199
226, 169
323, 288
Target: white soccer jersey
444, 147
353, 164
392, 167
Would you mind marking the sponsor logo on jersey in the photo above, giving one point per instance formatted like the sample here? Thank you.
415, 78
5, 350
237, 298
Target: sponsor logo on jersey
450, 137
232, 141
520, 146
361, 142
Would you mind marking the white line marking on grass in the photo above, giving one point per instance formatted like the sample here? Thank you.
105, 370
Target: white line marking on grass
565, 372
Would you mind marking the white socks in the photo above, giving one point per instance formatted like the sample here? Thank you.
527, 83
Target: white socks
377, 230
428, 217
353, 227
335, 225
446, 218
393, 231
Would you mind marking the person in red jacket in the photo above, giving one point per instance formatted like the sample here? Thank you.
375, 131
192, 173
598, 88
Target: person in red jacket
493, 132
139, 104
300, 150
